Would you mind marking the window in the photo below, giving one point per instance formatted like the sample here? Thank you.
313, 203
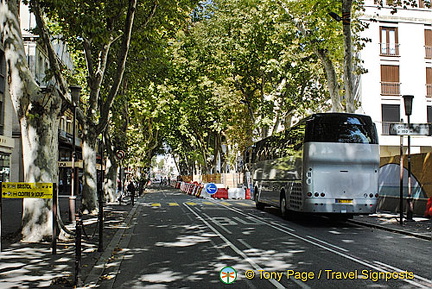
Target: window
2, 72
341, 129
2, 89
424, 3
429, 82
390, 114
428, 43
429, 114
390, 80
389, 44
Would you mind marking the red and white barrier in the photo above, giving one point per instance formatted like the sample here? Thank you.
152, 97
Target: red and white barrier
199, 190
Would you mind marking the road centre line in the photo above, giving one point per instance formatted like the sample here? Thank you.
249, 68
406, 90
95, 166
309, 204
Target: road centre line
328, 244
245, 244
240, 253
217, 223
395, 269
342, 254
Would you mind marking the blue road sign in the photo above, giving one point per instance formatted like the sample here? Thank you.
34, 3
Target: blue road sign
211, 188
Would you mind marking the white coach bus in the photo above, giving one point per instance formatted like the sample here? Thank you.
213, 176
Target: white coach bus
326, 164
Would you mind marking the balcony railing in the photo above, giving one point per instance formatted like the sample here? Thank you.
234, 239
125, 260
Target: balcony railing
429, 90
389, 49
428, 52
390, 88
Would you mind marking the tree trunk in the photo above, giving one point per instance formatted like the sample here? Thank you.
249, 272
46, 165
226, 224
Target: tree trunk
37, 112
348, 67
89, 196
40, 141
332, 82
110, 182
331, 77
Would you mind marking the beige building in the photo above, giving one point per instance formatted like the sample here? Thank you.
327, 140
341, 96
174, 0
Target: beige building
399, 62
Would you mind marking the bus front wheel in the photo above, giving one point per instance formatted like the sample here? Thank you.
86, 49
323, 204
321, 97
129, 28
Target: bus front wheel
258, 204
283, 207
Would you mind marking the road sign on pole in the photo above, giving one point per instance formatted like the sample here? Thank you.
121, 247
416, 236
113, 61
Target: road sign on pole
211, 188
416, 129
120, 154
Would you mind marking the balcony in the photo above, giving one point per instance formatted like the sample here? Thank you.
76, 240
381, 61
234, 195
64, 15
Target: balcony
389, 49
390, 88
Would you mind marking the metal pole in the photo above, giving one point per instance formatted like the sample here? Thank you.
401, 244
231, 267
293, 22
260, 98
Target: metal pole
78, 227
409, 198
401, 210
72, 197
101, 199
1, 200
54, 216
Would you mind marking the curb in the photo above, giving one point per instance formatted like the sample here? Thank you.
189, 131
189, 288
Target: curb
390, 229
118, 241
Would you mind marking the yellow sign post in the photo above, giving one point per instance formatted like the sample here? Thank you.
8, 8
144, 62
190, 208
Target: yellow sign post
27, 190
31, 190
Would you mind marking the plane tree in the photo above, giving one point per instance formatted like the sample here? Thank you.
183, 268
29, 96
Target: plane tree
240, 73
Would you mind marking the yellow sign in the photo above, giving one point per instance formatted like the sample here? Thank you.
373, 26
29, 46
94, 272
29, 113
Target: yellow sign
27, 190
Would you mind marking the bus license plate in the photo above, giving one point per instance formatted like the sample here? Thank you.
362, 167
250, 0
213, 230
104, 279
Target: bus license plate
344, 201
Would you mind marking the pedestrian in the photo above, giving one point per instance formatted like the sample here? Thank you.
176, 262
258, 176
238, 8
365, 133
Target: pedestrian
142, 183
131, 189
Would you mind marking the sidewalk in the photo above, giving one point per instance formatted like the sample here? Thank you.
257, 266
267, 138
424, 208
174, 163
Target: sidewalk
33, 265
420, 227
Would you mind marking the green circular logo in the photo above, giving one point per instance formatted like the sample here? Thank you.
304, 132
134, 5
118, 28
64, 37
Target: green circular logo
228, 275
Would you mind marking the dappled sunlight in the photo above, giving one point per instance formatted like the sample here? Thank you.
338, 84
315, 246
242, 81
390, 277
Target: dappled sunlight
36, 263
184, 241
162, 274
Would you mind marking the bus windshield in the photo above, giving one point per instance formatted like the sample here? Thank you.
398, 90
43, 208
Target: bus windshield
340, 128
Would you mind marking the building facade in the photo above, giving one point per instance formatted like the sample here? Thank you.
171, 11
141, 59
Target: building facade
38, 64
6, 113
399, 62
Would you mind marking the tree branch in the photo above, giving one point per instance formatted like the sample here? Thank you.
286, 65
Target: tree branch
54, 62
122, 58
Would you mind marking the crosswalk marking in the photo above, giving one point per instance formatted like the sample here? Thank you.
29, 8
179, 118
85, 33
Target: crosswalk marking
191, 203
245, 205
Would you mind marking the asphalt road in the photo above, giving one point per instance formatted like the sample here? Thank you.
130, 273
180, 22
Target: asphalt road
179, 241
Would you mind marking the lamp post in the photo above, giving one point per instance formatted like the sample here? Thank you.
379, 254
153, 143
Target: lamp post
408, 100
401, 173
75, 93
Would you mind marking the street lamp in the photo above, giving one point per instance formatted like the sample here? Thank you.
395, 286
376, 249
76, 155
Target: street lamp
75, 93
408, 100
